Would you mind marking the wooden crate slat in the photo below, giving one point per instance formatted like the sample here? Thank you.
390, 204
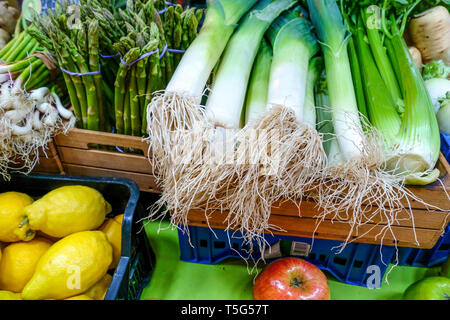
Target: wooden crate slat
106, 159
146, 182
422, 218
307, 227
81, 154
86, 139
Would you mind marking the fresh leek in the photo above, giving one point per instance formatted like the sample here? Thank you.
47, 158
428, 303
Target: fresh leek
294, 45
177, 109
227, 173
297, 156
226, 101
198, 61
334, 36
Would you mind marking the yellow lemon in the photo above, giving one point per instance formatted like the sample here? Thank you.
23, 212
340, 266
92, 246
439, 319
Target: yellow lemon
70, 267
67, 210
80, 297
19, 262
12, 216
98, 290
8, 295
113, 230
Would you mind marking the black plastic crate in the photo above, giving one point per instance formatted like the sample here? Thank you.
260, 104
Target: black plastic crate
136, 264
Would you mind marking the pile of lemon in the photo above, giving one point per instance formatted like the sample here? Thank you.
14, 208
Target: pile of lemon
59, 247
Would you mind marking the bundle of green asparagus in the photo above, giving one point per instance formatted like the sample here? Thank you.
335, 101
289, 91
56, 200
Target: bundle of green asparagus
76, 50
110, 31
114, 59
181, 27
165, 34
149, 37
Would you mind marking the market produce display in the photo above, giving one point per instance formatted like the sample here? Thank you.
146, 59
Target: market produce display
374, 133
66, 232
244, 106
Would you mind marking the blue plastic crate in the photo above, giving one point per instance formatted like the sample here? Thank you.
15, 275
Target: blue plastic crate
445, 145
426, 257
354, 265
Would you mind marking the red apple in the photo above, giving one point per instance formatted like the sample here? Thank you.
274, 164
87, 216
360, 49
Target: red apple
291, 279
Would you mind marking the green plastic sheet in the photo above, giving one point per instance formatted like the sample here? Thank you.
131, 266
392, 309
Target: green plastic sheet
232, 279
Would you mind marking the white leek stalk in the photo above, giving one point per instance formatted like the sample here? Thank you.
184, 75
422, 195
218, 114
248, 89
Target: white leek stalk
176, 110
226, 101
293, 47
198, 61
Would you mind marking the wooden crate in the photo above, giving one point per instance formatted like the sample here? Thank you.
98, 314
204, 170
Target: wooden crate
92, 153
429, 225
48, 163
81, 153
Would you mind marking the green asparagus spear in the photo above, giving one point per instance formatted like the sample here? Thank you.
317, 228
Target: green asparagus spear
121, 89
127, 115
94, 63
135, 115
